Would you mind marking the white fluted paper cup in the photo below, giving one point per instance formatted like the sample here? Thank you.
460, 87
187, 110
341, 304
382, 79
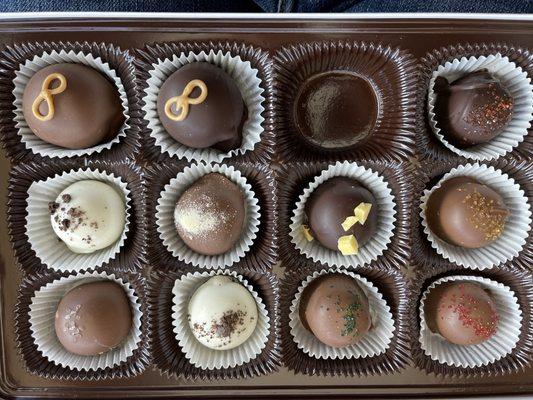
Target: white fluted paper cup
514, 235
30, 67
493, 349
386, 218
53, 252
200, 355
246, 79
513, 78
166, 226
375, 342
42, 324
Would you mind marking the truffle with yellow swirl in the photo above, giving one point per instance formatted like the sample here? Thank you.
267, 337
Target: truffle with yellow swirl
72, 106
200, 106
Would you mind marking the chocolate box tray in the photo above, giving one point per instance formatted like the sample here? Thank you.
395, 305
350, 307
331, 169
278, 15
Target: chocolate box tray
412, 44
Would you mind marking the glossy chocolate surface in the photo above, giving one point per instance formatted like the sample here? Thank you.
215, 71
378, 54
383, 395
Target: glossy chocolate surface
217, 121
462, 312
335, 109
331, 203
472, 109
88, 112
335, 309
209, 215
466, 213
93, 318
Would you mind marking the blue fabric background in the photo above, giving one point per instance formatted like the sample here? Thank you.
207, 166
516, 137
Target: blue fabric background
488, 6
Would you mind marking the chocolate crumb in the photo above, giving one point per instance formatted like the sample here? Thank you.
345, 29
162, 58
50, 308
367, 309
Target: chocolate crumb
52, 207
65, 224
66, 198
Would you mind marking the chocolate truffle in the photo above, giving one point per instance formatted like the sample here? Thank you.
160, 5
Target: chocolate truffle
200, 106
209, 215
222, 313
462, 312
341, 214
335, 110
473, 109
88, 216
93, 318
335, 309
72, 106
464, 212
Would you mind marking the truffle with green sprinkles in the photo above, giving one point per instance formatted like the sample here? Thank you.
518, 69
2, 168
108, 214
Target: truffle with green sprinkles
335, 309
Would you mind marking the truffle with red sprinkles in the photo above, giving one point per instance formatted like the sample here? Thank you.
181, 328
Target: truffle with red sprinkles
462, 312
472, 109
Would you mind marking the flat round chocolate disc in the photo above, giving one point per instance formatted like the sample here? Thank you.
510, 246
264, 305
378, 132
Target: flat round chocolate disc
335, 109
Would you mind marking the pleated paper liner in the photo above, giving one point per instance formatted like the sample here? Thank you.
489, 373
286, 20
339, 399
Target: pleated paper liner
37, 363
430, 172
170, 359
20, 143
150, 56
262, 254
428, 145
392, 74
132, 253
293, 178
517, 280
394, 288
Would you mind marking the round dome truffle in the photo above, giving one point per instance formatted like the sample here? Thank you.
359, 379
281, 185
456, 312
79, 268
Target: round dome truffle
341, 214
462, 312
72, 106
335, 110
464, 212
222, 313
200, 106
335, 309
472, 109
209, 215
88, 215
93, 318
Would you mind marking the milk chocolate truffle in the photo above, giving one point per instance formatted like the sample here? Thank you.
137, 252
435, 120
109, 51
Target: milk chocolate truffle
209, 215
335, 110
88, 215
222, 313
200, 106
72, 106
335, 309
341, 214
93, 318
462, 312
473, 109
464, 212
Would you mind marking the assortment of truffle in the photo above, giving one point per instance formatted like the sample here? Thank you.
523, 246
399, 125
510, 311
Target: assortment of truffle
200, 106
88, 215
466, 213
222, 313
341, 214
336, 310
209, 215
472, 109
72, 106
93, 318
462, 312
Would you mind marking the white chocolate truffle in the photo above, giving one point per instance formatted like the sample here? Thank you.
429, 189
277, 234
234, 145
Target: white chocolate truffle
222, 313
88, 216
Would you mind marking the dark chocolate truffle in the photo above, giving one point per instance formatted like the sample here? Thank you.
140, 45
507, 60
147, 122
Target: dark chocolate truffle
72, 106
93, 318
341, 214
209, 215
462, 312
335, 309
335, 109
473, 109
216, 114
464, 212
